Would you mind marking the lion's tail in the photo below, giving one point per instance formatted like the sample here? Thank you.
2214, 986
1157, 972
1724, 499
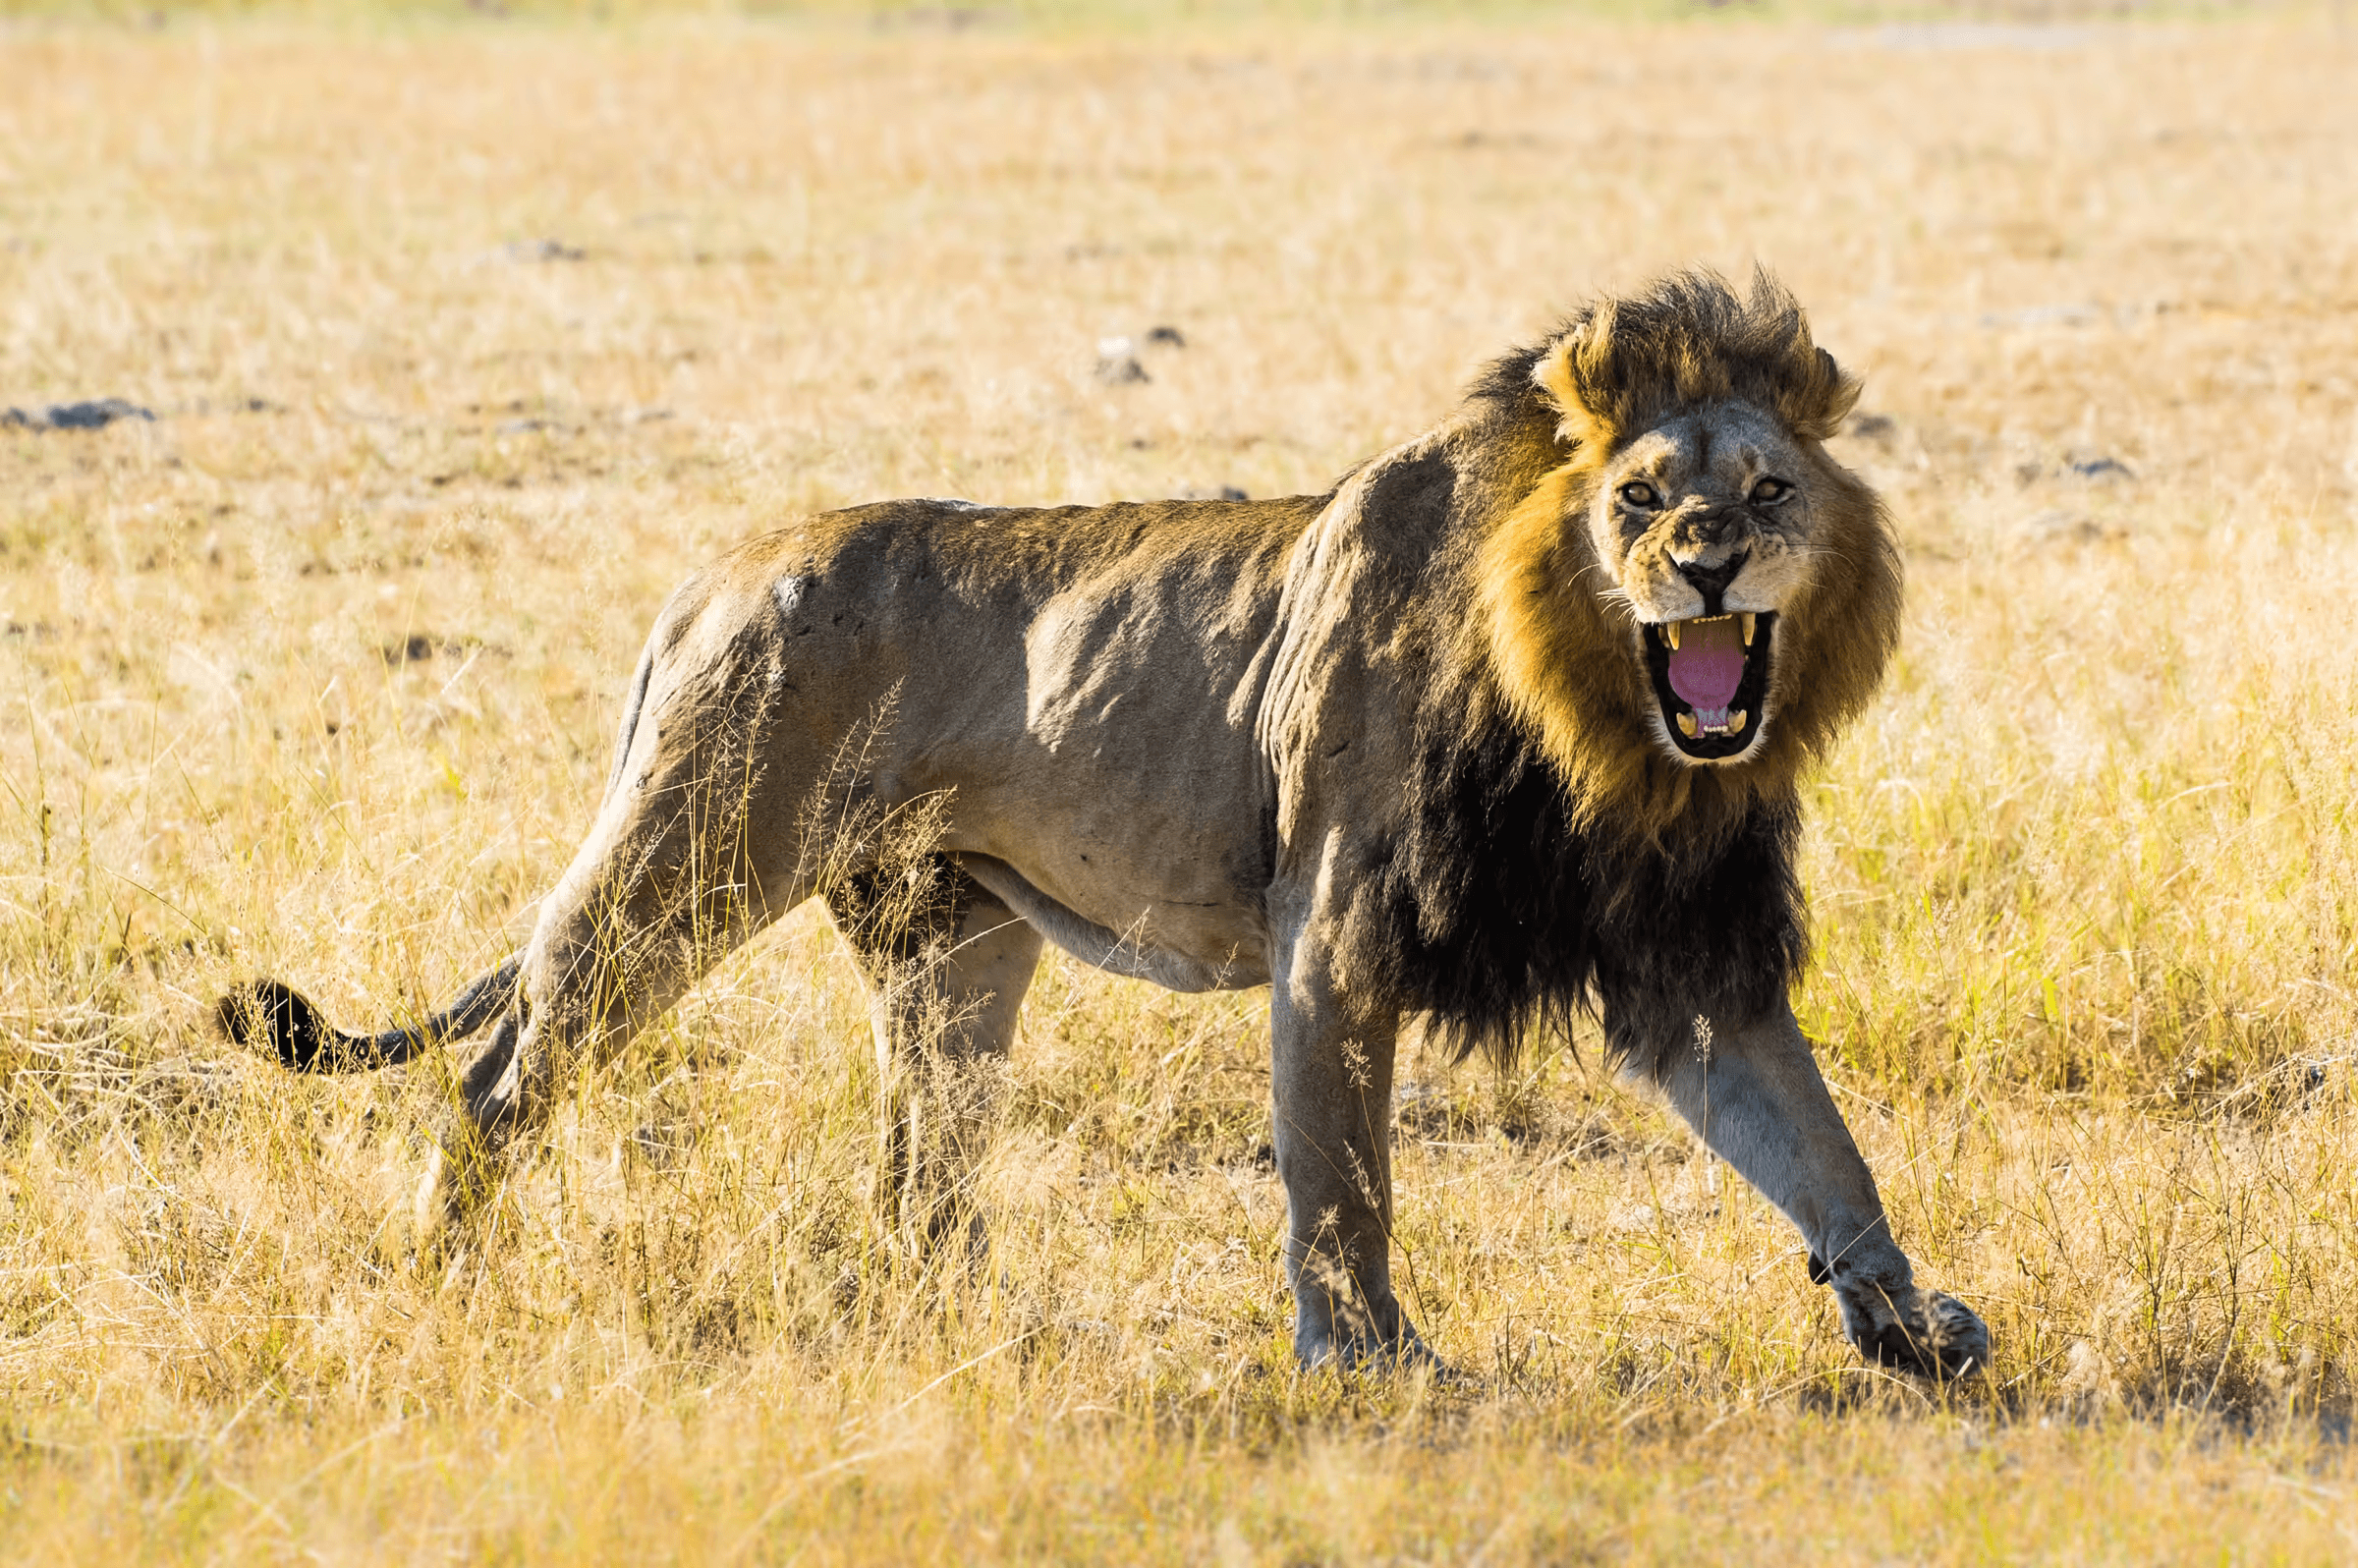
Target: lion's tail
264, 1013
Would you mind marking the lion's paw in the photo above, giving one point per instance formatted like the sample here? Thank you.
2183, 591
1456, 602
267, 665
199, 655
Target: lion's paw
1928, 1334
1333, 1346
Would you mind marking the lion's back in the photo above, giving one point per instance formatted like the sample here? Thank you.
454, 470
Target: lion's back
915, 588
1083, 683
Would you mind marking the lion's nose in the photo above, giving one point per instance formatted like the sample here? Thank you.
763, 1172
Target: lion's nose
1712, 580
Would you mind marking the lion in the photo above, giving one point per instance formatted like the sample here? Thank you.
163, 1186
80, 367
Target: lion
1505, 727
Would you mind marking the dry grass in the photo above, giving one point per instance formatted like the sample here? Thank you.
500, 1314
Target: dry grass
315, 674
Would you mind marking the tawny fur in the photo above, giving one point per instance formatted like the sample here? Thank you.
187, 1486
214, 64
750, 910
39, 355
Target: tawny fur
1387, 751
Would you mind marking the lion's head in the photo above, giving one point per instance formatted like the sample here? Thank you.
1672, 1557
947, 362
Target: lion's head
1695, 584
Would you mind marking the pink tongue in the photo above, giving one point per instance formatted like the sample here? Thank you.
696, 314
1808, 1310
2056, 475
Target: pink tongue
1707, 665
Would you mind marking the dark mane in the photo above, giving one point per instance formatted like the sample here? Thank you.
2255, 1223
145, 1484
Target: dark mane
1507, 379
1501, 916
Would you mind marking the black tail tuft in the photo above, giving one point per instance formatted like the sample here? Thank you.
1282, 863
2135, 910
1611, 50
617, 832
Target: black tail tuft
267, 1014
263, 1015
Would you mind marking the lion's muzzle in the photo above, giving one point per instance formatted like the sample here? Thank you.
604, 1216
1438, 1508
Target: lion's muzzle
1711, 676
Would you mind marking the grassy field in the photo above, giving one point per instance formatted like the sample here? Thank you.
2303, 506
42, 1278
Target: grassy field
462, 343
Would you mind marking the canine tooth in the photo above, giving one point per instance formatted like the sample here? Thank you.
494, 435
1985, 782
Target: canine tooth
1670, 635
1747, 618
1735, 720
1686, 726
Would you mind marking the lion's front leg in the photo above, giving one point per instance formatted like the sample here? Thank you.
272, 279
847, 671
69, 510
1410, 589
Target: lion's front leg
1331, 1098
1756, 1097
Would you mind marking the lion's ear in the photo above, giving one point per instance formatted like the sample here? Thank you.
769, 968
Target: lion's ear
1567, 375
1816, 404
1810, 393
1846, 395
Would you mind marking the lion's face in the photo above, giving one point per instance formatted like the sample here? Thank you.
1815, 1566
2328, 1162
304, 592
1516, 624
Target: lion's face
1690, 597
1704, 526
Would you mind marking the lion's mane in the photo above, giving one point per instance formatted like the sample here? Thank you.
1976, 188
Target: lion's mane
1551, 857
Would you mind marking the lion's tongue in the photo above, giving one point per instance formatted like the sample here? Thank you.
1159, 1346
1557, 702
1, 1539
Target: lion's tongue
1707, 665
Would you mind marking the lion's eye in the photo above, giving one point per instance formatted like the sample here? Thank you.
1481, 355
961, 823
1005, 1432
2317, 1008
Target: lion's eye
1769, 492
1639, 493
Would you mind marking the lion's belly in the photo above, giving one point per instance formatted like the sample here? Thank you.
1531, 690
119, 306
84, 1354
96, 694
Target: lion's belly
1151, 829
1108, 906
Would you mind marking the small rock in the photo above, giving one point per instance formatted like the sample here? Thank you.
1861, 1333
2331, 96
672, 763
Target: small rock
2063, 526
1212, 492
1166, 337
415, 649
543, 250
1872, 428
2099, 470
1118, 362
95, 416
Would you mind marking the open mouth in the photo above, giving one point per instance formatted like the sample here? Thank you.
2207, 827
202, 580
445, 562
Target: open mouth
1711, 674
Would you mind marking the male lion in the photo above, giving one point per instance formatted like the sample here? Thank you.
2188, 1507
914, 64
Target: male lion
1505, 725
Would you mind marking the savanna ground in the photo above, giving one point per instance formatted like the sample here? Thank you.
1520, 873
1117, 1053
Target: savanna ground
466, 339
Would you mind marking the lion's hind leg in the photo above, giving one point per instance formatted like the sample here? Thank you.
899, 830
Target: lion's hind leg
681, 867
600, 971
1755, 1095
468, 1154
947, 965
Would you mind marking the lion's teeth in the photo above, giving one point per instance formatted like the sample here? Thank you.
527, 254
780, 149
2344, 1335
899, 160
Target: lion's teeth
1747, 618
1686, 726
1670, 635
1735, 720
